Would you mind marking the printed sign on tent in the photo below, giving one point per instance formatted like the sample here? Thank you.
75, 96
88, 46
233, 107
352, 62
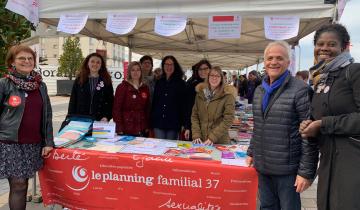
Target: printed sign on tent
224, 27
120, 24
169, 25
72, 23
28, 8
281, 27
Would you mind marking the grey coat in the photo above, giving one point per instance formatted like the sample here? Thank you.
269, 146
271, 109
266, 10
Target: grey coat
339, 142
277, 147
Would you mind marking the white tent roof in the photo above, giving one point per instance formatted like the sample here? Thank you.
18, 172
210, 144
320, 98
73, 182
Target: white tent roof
192, 44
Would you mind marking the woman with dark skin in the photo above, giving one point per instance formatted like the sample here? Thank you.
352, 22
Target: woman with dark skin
335, 112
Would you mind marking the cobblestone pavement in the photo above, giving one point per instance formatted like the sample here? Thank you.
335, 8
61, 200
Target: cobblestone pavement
59, 104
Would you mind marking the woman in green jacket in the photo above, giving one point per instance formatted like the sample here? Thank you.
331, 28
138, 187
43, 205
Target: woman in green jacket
213, 111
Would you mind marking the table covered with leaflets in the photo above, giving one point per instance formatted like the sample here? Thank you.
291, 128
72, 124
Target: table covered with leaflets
144, 173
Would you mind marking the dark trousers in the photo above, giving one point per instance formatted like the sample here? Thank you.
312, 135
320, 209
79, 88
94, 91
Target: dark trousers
166, 134
278, 192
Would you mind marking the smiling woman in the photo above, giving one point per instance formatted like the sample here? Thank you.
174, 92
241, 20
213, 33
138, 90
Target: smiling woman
335, 115
25, 124
92, 92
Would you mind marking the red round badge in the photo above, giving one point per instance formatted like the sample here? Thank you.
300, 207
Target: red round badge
144, 95
14, 101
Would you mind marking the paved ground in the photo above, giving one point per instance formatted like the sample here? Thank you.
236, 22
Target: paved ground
59, 105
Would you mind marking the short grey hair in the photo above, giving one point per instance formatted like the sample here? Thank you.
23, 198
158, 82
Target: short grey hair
283, 44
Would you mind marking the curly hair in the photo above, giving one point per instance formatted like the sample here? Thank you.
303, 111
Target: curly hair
84, 71
337, 29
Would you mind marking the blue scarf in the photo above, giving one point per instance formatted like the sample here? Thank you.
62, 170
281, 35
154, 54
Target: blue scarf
269, 89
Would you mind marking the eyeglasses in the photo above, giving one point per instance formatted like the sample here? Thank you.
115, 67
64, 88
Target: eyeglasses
203, 69
168, 64
23, 59
214, 76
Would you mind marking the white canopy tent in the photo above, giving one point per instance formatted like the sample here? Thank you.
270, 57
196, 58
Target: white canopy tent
192, 44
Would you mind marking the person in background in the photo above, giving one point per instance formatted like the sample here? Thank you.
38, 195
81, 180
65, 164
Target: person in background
224, 74
147, 64
304, 76
200, 73
285, 162
235, 80
157, 74
213, 111
253, 81
168, 107
243, 86
132, 104
92, 93
335, 119
26, 132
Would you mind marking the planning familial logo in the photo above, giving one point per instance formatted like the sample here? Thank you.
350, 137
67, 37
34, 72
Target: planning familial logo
80, 177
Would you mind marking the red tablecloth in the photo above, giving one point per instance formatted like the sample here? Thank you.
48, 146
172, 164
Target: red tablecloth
83, 179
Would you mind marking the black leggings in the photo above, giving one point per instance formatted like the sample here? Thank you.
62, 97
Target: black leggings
18, 192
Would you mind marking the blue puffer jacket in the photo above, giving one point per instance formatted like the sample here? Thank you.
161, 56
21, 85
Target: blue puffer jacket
277, 147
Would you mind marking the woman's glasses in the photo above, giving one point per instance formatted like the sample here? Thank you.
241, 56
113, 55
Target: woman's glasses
214, 76
23, 59
204, 69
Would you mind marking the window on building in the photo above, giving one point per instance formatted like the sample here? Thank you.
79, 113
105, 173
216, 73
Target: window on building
55, 46
55, 55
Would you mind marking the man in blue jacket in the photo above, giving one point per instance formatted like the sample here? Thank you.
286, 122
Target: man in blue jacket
285, 162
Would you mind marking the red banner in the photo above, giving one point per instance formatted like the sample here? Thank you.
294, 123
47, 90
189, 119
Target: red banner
223, 18
82, 179
125, 65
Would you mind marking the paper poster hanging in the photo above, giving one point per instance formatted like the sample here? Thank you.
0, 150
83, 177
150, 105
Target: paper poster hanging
169, 25
224, 27
120, 24
72, 23
281, 27
27, 8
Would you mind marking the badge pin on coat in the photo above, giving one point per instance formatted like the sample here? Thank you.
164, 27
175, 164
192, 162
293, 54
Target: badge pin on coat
320, 88
326, 89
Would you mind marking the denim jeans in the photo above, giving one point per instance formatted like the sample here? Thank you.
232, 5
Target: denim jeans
278, 192
166, 134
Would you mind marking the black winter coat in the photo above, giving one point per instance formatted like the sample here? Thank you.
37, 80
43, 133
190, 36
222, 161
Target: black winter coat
11, 116
339, 142
276, 146
97, 107
168, 107
190, 100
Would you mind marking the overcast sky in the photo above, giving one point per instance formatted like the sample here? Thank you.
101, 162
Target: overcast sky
351, 19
